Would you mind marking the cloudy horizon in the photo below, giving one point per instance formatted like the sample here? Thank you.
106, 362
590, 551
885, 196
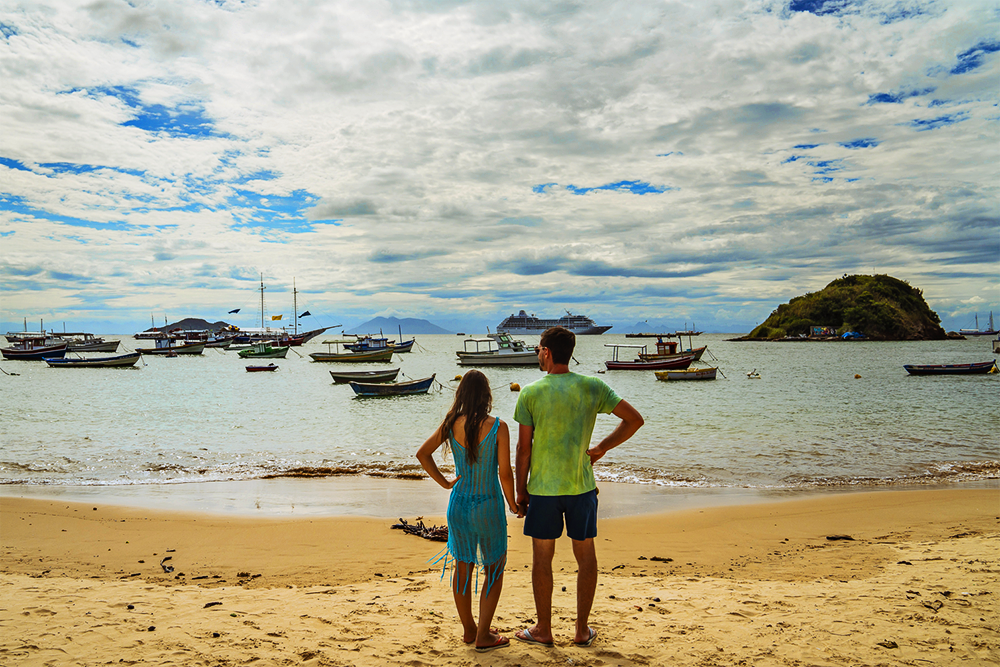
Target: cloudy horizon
458, 161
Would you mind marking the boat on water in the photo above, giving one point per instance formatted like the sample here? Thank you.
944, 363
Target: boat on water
349, 355
119, 361
639, 364
687, 374
523, 324
668, 350
34, 349
500, 350
370, 377
262, 369
171, 348
87, 342
989, 331
977, 368
264, 350
370, 389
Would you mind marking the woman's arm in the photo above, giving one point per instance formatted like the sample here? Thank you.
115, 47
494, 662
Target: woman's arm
426, 457
506, 474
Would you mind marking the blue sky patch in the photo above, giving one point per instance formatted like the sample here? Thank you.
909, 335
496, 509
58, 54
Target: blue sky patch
540, 189
793, 158
806, 147
7, 30
284, 213
186, 120
635, 187
897, 97
822, 179
973, 58
669, 154
13, 164
860, 143
922, 124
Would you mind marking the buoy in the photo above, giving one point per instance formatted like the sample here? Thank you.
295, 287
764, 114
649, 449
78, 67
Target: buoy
458, 378
515, 386
857, 377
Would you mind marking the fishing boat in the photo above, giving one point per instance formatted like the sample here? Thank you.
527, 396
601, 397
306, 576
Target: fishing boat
170, 348
262, 369
85, 342
500, 350
989, 331
371, 377
120, 361
977, 368
369, 389
368, 344
350, 356
639, 364
687, 374
264, 351
668, 350
34, 349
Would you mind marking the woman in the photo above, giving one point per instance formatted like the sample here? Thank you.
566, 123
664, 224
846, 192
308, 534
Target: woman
477, 527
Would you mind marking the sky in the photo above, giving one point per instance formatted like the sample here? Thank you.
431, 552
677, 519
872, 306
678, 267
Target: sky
671, 162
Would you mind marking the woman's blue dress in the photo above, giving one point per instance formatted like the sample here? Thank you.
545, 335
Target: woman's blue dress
477, 523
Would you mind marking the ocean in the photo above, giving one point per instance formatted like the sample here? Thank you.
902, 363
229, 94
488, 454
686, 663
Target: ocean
822, 416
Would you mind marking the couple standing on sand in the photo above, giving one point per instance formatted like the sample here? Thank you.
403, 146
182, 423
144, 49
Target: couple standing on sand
555, 483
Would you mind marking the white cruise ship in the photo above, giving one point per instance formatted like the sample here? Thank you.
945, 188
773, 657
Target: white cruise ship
523, 324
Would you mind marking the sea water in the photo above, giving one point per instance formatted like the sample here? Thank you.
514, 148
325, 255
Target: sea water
822, 415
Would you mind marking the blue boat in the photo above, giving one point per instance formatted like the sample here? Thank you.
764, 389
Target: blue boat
977, 368
368, 389
120, 361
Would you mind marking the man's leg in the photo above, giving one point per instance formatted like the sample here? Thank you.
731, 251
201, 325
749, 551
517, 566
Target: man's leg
542, 552
586, 585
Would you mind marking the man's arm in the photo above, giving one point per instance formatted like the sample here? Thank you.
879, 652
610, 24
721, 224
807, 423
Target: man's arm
523, 465
631, 421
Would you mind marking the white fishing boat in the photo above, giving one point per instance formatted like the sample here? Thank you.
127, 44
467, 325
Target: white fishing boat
497, 349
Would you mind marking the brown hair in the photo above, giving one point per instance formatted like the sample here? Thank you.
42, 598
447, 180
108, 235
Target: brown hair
473, 400
560, 342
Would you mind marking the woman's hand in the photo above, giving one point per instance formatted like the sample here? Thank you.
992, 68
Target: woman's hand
452, 483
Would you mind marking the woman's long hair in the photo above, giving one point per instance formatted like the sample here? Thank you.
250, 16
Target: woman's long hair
473, 400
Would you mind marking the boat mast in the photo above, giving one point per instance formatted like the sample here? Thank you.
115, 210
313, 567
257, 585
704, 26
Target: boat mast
295, 307
262, 301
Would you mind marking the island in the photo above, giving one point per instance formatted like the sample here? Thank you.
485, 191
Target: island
877, 307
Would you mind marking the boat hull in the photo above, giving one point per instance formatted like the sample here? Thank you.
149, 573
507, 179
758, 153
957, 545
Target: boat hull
662, 365
687, 374
270, 353
35, 353
121, 361
381, 355
190, 348
101, 346
495, 359
978, 368
369, 377
368, 390
261, 369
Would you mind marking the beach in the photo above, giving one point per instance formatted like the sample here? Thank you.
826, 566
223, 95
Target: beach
892, 577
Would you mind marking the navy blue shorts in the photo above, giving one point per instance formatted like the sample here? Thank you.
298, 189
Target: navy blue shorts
544, 520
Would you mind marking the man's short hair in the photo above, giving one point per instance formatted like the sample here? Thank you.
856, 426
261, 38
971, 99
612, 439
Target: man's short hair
560, 342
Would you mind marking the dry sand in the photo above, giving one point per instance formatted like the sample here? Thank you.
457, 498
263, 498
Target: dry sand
745, 585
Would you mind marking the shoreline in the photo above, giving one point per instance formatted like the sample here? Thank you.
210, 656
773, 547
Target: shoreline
761, 583
372, 497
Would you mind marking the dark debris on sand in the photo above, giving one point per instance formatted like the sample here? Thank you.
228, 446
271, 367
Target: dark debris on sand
434, 533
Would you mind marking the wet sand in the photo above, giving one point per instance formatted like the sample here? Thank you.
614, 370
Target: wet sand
761, 584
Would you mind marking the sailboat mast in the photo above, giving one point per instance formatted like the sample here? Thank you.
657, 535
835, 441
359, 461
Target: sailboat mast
295, 307
262, 301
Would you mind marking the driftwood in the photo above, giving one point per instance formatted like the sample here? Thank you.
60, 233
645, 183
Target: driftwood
434, 533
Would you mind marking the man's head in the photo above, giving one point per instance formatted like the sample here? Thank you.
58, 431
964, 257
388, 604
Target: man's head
560, 343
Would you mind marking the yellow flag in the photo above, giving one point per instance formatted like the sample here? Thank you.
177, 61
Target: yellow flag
275, 318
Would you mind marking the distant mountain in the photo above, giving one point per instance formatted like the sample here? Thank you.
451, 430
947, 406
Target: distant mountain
191, 324
644, 327
390, 326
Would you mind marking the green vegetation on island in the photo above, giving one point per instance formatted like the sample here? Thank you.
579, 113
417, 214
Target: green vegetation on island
879, 307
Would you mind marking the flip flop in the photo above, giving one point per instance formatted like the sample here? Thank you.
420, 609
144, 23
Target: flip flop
525, 636
500, 643
590, 640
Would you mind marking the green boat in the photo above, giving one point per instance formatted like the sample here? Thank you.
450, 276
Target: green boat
263, 351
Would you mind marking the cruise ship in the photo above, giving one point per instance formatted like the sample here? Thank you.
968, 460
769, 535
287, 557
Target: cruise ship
523, 324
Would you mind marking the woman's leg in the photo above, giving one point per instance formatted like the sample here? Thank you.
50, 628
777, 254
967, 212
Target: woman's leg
488, 604
462, 589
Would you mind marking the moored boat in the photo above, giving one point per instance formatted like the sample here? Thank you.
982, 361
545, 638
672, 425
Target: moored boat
508, 352
977, 368
349, 356
687, 374
264, 351
371, 377
989, 331
34, 349
169, 348
86, 342
119, 361
639, 364
260, 369
368, 389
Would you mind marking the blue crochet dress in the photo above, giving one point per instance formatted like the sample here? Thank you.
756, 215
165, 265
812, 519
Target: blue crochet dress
477, 524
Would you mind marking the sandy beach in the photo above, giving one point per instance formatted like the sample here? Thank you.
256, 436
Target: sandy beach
759, 584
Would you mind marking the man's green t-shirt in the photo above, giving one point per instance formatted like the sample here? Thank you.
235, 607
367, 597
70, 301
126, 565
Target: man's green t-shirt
562, 408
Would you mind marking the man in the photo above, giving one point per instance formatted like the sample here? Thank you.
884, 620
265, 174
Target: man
555, 475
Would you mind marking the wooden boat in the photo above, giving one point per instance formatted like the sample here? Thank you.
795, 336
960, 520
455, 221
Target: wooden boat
34, 349
639, 364
260, 369
989, 331
86, 342
687, 374
166, 347
263, 351
371, 377
508, 352
368, 344
368, 389
339, 356
977, 368
120, 361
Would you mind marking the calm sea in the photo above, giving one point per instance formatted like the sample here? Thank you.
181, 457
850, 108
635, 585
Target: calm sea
807, 423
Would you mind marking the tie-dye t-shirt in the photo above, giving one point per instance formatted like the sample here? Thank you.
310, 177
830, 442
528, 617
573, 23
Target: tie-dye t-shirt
562, 408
